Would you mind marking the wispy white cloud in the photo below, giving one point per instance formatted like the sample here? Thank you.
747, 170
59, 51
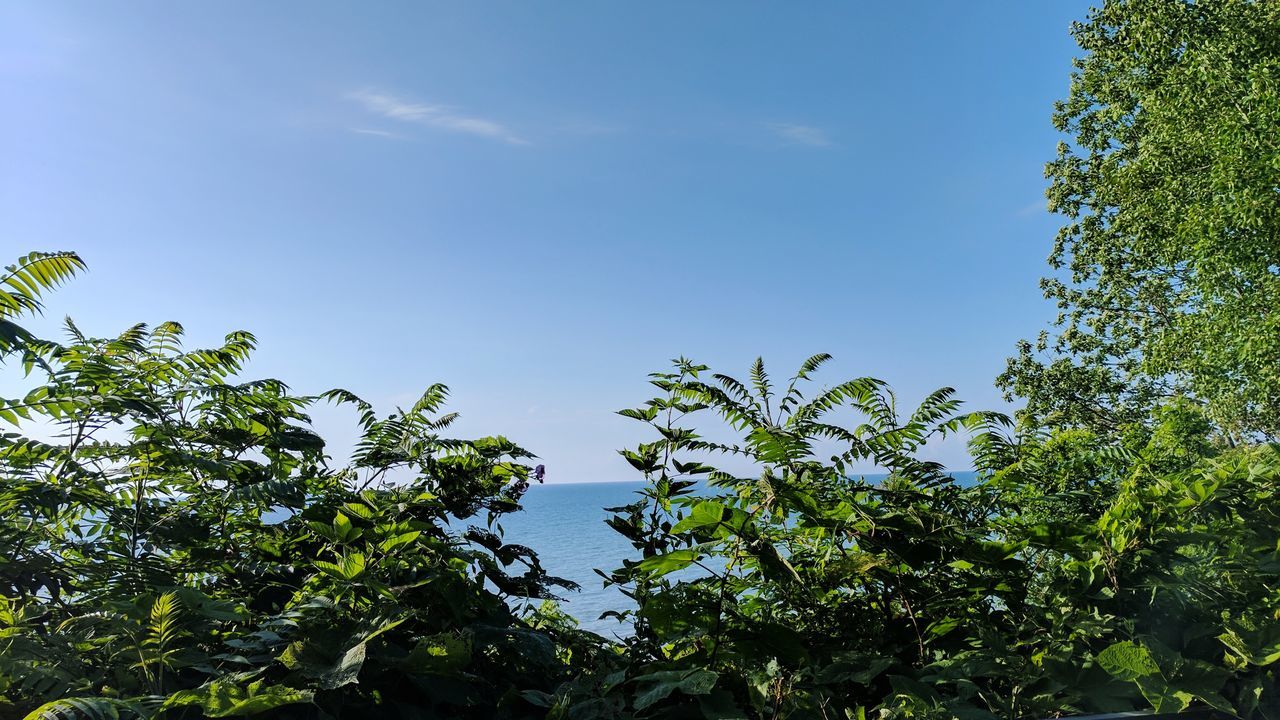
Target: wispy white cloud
801, 134
440, 117
376, 133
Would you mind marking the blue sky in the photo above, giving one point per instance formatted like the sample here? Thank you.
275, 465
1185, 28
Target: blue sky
540, 203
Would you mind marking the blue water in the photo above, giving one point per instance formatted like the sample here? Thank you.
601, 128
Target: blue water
565, 525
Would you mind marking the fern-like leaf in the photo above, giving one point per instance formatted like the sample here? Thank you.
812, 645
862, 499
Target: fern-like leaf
95, 708
23, 284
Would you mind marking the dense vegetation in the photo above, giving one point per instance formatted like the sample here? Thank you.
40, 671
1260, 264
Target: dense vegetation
1169, 257
175, 541
178, 540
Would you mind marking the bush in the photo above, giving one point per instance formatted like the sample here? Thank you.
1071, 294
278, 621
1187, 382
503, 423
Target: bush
175, 542
1078, 578
178, 542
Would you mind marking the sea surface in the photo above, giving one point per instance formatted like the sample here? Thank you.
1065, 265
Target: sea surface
565, 525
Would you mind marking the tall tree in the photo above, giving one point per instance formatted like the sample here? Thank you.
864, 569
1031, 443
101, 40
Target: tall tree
1167, 270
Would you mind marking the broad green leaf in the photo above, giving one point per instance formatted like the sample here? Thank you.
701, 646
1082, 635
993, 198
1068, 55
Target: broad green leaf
396, 541
704, 514
226, 699
659, 565
1128, 661
346, 670
658, 686
349, 566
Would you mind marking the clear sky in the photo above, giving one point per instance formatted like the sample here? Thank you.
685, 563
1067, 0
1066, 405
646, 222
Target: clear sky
538, 203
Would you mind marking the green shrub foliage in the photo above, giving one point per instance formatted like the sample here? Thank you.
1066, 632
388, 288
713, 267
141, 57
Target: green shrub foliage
1077, 577
174, 541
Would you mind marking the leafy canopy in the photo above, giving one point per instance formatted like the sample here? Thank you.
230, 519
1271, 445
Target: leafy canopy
1169, 263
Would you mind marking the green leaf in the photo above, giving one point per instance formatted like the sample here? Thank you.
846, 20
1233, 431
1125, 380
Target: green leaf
662, 684
659, 565
1163, 697
349, 566
396, 541
1128, 661
343, 530
442, 654
346, 670
226, 699
93, 708
703, 514
360, 510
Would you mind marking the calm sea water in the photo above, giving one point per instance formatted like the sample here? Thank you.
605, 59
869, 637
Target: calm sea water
565, 525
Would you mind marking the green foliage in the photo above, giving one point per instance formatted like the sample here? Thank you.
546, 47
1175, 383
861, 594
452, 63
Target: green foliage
1079, 576
174, 541
25, 282
802, 590
31, 276
1170, 270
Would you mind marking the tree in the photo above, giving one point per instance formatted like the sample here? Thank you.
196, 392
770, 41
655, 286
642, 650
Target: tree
1168, 267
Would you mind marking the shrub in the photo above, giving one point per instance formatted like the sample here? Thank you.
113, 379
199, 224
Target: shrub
175, 541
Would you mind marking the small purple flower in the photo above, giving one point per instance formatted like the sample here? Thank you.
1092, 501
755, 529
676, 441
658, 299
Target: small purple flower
539, 472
